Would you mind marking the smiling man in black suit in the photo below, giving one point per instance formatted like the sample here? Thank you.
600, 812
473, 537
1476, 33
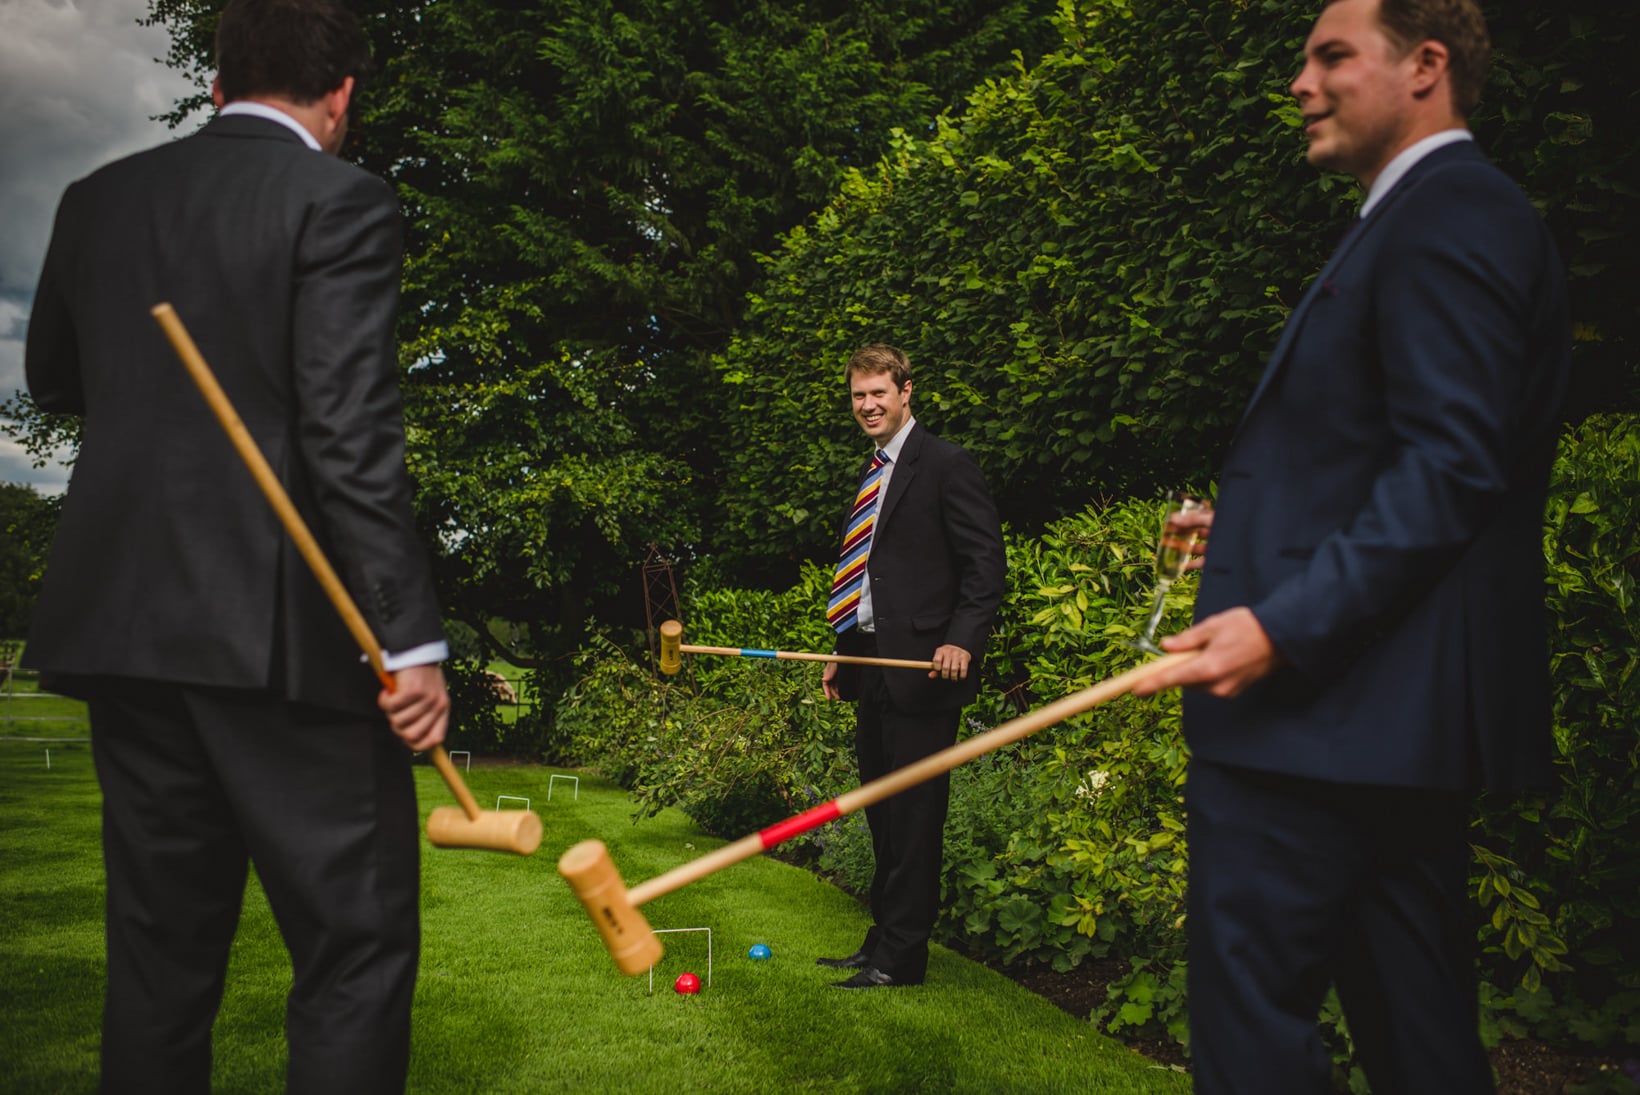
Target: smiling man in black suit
232, 721
921, 577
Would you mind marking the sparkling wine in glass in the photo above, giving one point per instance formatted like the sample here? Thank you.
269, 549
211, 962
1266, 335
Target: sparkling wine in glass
1173, 551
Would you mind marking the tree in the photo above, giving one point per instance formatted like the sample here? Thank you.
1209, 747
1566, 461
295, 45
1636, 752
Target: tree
586, 186
27, 523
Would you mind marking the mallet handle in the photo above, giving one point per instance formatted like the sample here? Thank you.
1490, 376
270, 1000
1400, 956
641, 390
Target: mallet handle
274, 492
797, 656
900, 779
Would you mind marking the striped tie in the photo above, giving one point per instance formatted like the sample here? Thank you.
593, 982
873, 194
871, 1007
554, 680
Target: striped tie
843, 610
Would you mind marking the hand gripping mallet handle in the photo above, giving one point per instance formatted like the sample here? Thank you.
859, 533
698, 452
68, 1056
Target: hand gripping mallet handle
471, 827
672, 646
614, 908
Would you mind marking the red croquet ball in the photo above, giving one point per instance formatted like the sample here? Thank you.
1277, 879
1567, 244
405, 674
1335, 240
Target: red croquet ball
688, 983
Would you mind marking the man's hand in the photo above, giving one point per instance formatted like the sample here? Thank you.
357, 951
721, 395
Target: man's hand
1234, 653
950, 663
827, 676
418, 708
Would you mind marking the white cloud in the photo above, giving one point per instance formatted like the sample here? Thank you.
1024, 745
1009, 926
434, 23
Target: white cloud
79, 86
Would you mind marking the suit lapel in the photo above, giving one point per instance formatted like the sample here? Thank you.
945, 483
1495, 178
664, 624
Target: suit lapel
1295, 321
905, 468
1323, 280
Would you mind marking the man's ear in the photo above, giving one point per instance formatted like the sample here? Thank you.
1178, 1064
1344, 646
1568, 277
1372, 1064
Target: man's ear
1430, 66
337, 101
216, 92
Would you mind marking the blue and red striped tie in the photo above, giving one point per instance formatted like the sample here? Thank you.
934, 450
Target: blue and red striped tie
843, 610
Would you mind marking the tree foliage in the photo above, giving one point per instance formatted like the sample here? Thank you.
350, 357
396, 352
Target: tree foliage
586, 186
1089, 267
27, 522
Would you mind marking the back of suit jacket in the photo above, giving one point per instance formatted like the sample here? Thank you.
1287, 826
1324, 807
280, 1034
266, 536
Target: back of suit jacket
168, 563
1381, 507
938, 572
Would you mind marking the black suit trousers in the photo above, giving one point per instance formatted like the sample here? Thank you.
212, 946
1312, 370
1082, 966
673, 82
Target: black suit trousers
197, 784
907, 830
1298, 884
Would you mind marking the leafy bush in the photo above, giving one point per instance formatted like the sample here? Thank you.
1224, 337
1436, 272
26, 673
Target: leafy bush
735, 743
1561, 872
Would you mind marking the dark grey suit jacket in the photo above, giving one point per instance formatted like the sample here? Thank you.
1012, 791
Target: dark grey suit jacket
168, 564
938, 572
1381, 509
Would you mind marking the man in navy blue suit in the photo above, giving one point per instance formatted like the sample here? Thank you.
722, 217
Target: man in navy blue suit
1370, 636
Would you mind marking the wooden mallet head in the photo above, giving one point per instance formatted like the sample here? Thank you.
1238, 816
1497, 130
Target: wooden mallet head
517, 831
671, 647
592, 875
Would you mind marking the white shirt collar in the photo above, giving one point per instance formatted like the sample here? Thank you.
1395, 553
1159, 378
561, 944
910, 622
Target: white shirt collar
272, 114
1404, 161
897, 442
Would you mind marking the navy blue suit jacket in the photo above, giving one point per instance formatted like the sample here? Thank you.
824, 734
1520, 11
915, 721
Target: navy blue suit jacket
1381, 507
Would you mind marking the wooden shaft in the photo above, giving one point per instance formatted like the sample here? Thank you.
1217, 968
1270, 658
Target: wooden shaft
453, 780
672, 645
799, 656
728, 855
912, 774
274, 492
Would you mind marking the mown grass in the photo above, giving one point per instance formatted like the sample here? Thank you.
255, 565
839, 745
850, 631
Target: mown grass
516, 992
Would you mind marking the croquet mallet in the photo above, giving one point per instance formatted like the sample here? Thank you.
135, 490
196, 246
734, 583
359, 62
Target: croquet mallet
469, 827
614, 908
672, 645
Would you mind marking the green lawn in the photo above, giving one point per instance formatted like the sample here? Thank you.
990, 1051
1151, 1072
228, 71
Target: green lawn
516, 992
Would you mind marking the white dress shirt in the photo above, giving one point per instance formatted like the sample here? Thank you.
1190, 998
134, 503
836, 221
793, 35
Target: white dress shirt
272, 114
1404, 161
864, 619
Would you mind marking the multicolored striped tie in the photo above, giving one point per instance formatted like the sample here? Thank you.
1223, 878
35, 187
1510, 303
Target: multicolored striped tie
843, 610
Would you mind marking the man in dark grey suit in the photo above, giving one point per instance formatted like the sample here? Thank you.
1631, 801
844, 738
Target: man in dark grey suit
232, 720
922, 575
1371, 630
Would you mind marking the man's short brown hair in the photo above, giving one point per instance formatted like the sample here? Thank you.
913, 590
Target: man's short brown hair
299, 50
877, 357
1456, 24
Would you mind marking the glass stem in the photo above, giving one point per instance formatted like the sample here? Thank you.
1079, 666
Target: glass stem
1162, 585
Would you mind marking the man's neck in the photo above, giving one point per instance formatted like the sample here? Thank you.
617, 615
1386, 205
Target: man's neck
310, 116
1437, 121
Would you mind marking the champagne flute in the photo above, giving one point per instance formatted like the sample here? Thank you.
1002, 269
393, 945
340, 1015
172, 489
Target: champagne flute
1173, 551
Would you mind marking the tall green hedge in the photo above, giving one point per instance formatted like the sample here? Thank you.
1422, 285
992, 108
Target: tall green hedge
1089, 266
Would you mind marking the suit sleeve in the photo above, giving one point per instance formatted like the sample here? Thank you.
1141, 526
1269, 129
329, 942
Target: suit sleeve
1452, 297
973, 534
51, 355
350, 418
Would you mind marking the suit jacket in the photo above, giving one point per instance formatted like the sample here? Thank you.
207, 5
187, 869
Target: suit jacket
168, 564
1381, 508
937, 569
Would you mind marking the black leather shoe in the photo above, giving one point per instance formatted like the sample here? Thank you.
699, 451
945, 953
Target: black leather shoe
857, 960
869, 978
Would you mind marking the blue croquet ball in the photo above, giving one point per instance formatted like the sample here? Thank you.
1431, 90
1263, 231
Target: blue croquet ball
687, 983
759, 952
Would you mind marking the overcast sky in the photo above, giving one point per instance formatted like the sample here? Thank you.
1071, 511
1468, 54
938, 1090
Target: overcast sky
79, 84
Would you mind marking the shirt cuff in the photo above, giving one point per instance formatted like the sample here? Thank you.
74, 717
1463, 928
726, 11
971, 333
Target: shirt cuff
425, 654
